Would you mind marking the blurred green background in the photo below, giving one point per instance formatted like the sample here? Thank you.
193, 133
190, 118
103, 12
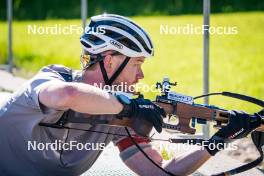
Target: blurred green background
235, 60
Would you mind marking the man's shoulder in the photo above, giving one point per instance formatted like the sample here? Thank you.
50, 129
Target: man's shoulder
60, 70
56, 68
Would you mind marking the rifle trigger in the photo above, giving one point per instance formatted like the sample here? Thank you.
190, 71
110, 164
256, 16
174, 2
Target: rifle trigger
193, 123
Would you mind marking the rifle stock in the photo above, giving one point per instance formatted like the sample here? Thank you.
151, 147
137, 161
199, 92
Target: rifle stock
184, 112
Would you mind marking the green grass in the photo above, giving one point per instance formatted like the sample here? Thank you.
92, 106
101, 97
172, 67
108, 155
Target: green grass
235, 60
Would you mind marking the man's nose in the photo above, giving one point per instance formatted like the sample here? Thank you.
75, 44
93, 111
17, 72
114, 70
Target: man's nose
140, 74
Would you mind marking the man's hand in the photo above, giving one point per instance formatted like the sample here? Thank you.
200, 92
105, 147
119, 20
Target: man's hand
144, 109
239, 126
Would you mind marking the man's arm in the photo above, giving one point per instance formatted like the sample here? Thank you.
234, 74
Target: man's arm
182, 165
188, 162
79, 97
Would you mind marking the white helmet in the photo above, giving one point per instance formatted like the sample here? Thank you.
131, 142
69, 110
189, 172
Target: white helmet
114, 32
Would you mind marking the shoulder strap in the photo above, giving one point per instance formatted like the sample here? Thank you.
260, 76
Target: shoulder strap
67, 76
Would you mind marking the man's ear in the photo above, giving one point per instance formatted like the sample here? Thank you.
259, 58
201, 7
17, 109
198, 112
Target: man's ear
108, 63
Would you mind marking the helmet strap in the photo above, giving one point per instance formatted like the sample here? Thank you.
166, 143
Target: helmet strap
116, 74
